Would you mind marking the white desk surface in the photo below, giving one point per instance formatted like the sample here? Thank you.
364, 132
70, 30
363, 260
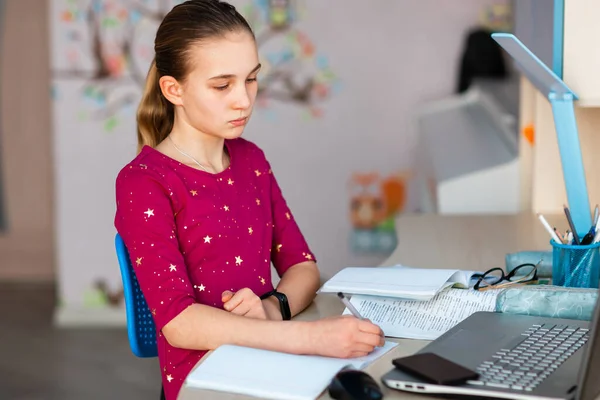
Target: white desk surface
433, 241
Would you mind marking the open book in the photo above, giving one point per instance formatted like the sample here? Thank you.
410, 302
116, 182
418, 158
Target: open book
423, 319
270, 374
397, 281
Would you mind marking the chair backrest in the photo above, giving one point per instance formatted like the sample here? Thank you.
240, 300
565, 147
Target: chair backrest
140, 324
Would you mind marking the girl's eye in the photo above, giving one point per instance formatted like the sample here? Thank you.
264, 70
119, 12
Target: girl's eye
221, 87
250, 80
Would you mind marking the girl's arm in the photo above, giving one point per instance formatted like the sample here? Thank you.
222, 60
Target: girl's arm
203, 327
300, 284
291, 256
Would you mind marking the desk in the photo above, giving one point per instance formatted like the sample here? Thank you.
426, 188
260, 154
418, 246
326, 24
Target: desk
462, 242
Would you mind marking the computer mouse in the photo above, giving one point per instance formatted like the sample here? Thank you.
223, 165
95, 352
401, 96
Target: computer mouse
351, 384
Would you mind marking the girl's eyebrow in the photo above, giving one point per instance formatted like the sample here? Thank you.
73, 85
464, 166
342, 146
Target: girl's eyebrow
227, 76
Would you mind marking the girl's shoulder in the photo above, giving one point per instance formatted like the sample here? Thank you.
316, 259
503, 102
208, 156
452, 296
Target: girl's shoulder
148, 163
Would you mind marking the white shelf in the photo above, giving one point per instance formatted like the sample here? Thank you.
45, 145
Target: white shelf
467, 159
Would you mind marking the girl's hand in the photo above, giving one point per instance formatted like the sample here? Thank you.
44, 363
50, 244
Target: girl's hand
345, 337
245, 303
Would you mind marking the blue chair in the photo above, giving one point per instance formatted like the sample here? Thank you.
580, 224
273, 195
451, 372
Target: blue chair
140, 324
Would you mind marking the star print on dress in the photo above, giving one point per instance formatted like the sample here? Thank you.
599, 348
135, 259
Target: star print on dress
257, 172
200, 287
194, 192
287, 215
279, 246
172, 268
238, 260
154, 312
258, 202
207, 239
250, 230
226, 208
138, 261
262, 280
149, 213
229, 181
307, 256
169, 378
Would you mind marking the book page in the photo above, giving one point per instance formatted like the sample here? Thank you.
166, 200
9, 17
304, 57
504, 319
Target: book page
423, 319
465, 279
396, 281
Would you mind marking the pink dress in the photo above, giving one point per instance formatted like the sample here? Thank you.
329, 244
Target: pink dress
192, 235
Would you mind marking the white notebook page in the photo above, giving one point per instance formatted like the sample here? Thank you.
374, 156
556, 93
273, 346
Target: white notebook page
272, 375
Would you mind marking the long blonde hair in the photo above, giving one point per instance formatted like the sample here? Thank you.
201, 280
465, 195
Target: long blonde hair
155, 113
184, 26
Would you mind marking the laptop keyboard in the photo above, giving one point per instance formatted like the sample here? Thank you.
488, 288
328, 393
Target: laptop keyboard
530, 358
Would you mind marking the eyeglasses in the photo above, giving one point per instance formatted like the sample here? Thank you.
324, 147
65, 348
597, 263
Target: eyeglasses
495, 278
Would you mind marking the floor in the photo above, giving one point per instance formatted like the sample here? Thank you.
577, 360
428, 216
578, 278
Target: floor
38, 361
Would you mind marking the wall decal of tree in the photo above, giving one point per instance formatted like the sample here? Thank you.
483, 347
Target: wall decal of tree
108, 45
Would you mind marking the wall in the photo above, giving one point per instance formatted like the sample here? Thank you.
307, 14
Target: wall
380, 60
26, 247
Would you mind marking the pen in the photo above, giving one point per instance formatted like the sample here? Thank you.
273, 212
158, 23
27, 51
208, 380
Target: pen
570, 238
550, 231
571, 224
587, 239
596, 233
559, 235
596, 215
349, 305
596, 230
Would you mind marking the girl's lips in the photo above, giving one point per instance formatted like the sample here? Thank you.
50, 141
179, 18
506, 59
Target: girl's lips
239, 121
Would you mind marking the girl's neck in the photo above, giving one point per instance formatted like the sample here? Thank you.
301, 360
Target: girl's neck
205, 149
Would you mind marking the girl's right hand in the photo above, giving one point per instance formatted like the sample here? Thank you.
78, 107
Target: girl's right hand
345, 337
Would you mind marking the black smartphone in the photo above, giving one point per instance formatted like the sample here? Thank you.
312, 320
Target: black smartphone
435, 369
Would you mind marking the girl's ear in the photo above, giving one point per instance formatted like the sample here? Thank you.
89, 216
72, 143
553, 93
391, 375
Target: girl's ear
171, 89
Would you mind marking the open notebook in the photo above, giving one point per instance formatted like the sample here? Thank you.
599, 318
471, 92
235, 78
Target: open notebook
270, 374
397, 281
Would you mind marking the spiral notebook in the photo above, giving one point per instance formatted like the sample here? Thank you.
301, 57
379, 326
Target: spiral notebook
270, 374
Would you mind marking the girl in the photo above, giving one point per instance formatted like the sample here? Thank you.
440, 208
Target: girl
202, 215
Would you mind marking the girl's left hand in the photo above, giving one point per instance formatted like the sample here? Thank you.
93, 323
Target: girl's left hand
245, 303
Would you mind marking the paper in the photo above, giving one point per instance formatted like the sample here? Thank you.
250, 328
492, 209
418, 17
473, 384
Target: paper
272, 375
397, 281
363, 362
423, 319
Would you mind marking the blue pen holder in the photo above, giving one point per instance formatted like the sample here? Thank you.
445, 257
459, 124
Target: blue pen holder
575, 266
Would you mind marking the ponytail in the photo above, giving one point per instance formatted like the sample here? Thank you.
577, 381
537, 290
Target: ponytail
155, 114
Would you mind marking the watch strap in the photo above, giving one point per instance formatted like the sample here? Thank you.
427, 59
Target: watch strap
284, 305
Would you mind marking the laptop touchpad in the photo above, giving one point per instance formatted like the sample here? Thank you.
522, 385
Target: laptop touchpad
468, 339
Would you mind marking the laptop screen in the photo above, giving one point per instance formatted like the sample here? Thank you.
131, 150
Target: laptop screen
590, 370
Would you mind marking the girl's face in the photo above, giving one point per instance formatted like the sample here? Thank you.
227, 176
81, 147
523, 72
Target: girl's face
218, 94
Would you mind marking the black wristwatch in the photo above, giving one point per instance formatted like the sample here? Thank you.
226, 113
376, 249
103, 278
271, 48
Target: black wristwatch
286, 314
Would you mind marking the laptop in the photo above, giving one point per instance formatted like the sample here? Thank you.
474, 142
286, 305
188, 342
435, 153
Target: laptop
517, 357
